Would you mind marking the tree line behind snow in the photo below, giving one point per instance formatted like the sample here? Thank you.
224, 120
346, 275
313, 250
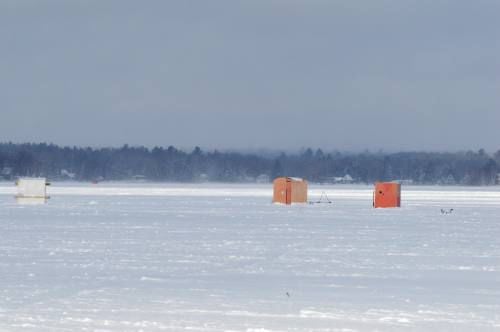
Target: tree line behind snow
172, 164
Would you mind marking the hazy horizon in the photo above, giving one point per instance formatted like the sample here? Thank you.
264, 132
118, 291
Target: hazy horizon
251, 75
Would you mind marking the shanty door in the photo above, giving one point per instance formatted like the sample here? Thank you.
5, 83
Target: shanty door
288, 191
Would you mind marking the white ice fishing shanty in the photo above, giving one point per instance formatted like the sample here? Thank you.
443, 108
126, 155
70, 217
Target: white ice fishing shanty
32, 188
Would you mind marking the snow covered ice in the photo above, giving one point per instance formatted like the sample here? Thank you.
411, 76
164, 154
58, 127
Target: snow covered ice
218, 257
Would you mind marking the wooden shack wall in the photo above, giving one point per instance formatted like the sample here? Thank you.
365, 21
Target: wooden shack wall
299, 191
279, 190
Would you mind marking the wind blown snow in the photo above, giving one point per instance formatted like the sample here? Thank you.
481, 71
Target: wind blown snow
171, 257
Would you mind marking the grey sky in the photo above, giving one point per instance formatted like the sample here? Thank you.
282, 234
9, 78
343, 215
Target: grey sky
393, 75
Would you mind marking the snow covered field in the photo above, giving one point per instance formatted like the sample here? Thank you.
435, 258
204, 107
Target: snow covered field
213, 257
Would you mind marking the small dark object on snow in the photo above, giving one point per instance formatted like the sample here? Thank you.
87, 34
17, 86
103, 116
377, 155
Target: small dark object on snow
324, 199
449, 211
287, 294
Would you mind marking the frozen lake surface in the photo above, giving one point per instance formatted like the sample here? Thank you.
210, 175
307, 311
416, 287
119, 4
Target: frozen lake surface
171, 257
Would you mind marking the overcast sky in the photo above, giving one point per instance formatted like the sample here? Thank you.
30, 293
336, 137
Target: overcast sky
348, 75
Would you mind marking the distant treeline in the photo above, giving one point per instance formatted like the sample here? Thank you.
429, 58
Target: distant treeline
171, 164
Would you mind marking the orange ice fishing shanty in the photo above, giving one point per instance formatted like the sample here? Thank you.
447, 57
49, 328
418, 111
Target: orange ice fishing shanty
387, 195
289, 190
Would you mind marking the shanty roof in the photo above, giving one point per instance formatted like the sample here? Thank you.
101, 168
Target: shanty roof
295, 179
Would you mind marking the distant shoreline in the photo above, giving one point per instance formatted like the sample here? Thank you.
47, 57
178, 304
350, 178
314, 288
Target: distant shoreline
471, 168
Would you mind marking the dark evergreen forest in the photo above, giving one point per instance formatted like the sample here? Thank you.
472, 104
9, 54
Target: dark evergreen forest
171, 164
